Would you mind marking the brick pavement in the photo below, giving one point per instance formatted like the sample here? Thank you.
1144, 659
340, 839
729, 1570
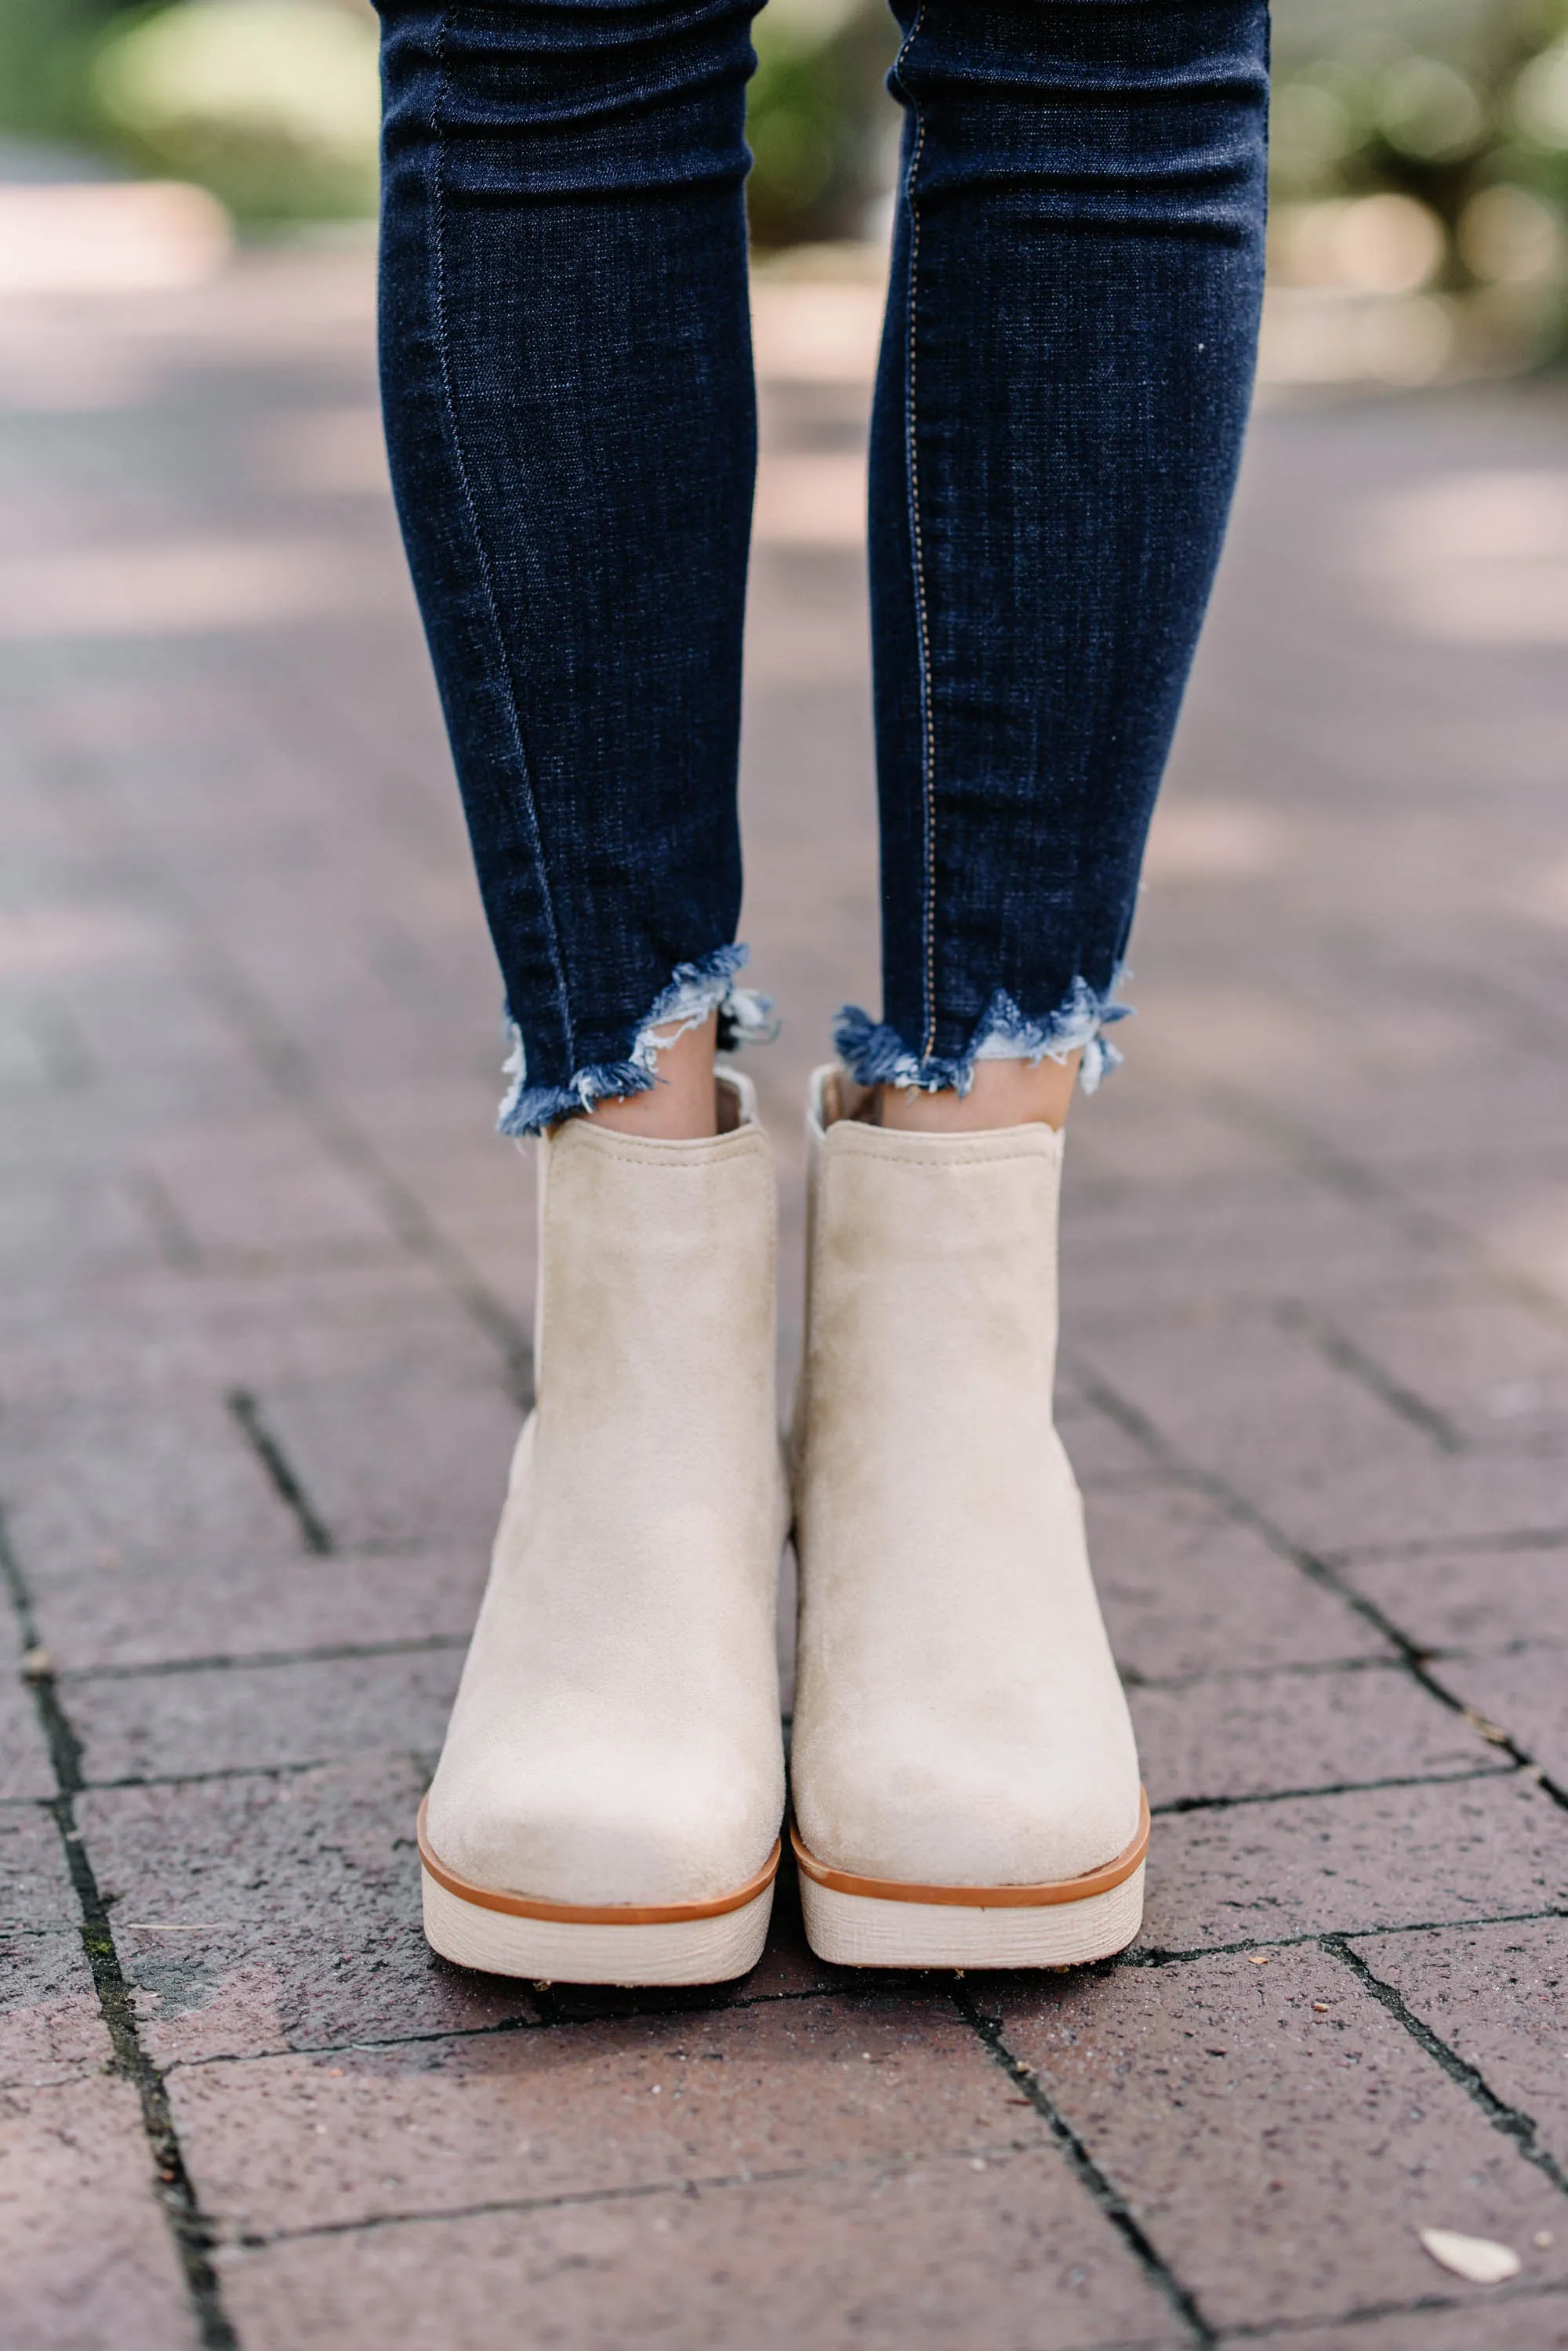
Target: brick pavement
264, 1336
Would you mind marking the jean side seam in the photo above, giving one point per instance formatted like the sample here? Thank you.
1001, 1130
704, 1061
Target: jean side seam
917, 552
487, 572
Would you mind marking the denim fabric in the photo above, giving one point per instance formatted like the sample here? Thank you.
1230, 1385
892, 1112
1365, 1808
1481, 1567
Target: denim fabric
566, 368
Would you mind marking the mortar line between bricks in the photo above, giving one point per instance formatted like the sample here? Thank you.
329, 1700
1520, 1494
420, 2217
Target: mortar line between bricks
315, 1534
1293, 1667
1311, 1565
221, 1772
421, 1644
1343, 1355
1305, 1668
175, 2190
1179, 1805
560, 2019
62, 1044
1512, 2121
175, 1243
1300, 1669
1435, 1546
1368, 2314
1098, 2183
693, 2184
414, 1645
1152, 1956
1354, 1179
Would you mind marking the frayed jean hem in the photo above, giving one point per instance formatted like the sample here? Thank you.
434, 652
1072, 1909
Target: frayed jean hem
694, 990
876, 1055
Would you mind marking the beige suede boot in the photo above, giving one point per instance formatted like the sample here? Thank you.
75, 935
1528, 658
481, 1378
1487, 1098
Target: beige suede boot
608, 1803
965, 1785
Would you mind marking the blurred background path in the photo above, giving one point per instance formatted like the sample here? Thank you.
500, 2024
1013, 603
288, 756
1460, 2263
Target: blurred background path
265, 1300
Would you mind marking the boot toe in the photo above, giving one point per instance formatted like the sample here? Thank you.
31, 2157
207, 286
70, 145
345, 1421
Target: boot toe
597, 1829
968, 1815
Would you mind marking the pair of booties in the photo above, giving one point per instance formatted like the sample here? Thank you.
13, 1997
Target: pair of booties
607, 1804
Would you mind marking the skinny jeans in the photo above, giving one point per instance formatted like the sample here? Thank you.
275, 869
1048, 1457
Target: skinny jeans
1065, 372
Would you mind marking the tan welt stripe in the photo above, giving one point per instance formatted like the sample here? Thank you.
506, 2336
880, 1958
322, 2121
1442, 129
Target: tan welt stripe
591, 1914
986, 1898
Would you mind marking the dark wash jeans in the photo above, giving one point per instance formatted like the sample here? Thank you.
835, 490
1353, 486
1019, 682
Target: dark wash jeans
1065, 373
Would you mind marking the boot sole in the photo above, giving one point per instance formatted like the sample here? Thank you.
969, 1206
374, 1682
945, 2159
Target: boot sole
611, 1943
877, 1922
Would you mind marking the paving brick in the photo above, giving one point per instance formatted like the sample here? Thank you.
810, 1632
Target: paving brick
110, 1616
258, 1190
1237, 1393
185, 1724
50, 2024
89, 2257
107, 1488
444, 2126
1381, 1090
437, 1139
1142, 1145
168, 1336
497, 1253
161, 1048
24, 1766
1277, 2133
51, 2027
59, 1226
1471, 1599
1321, 1455
1513, 1206
1404, 1111
38, 1892
1267, 1734
1233, 1235
932, 2254
263, 1914
1381, 1857
1470, 1498
1187, 1590
1496, 1367
1495, 1994
1524, 1693
405, 1455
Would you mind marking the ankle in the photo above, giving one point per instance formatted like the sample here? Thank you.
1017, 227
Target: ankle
682, 1104
1004, 1094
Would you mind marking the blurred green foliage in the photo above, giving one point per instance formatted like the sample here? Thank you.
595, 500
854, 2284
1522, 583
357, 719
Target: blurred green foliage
271, 102
46, 47
822, 129
1459, 110
1439, 100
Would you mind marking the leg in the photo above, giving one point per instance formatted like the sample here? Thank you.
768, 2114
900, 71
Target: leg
567, 379
568, 388
1065, 382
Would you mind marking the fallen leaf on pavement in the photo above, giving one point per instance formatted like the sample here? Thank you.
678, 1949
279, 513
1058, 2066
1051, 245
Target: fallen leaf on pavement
1476, 2258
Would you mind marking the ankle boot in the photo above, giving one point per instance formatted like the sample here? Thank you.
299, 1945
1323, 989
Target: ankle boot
965, 1785
607, 1801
